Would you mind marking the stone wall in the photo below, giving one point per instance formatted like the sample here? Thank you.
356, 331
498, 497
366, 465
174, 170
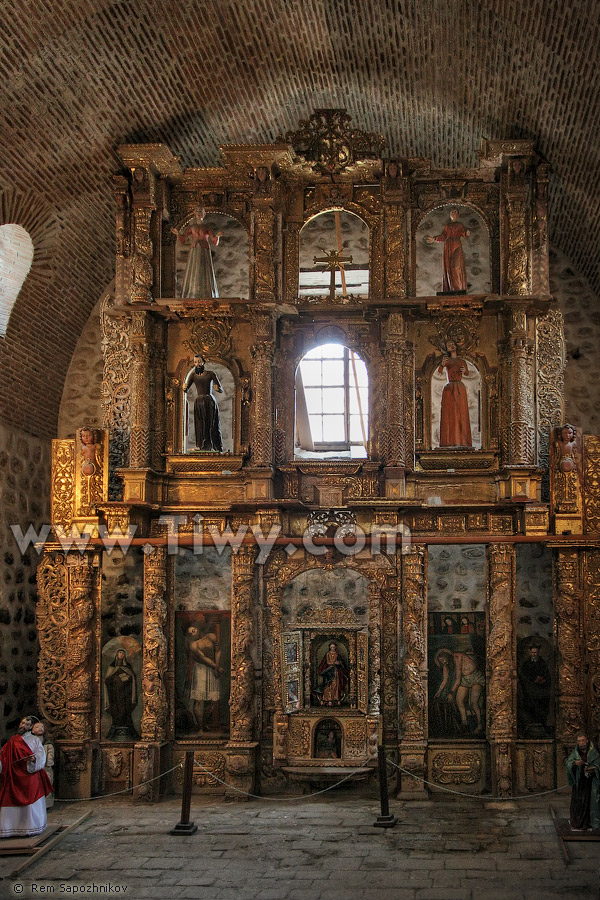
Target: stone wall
24, 492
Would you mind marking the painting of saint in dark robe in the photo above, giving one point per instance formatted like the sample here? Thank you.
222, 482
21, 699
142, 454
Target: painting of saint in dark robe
534, 690
331, 673
202, 672
121, 698
457, 678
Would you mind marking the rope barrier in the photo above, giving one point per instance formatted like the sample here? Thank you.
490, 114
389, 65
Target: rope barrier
487, 799
284, 799
123, 791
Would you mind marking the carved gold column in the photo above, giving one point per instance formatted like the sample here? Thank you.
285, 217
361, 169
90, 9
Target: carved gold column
395, 250
501, 665
413, 674
375, 598
271, 656
568, 624
241, 703
241, 757
155, 713
155, 694
592, 638
80, 649
262, 390
517, 274
159, 428
52, 618
398, 419
143, 190
265, 254
140, 399
551, 360
521, 477
80, 665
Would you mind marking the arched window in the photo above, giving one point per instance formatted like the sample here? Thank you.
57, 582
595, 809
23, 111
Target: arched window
16, 256
332, 403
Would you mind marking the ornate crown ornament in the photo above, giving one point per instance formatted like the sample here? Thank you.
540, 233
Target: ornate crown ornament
328, 142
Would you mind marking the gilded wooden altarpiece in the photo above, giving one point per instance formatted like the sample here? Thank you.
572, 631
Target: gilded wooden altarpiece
255, 324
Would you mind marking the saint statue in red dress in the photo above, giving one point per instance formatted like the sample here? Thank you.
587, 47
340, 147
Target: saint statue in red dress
455, 427
454, 272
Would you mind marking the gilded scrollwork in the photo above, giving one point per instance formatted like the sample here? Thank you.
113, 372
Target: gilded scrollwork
414, 662
80, 646
63, 483
154, 667
264, 254
592, 636
551, 361
52, 622
567, 612
142, 274
262, 404
395, 251
241, 700
500, 649
591, 480
456, 767
517, 265
210, 333
116, 389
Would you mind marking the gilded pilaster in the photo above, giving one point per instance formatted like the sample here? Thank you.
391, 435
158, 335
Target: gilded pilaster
521, 432
80, 663
242, 698
116, 390
375, 597
551, 361
395, 251
140, 400
568, 631
413, 700
398, 354
501, 662
591, 480
52, 617
262, 389
264, 254
155, 715
592, 638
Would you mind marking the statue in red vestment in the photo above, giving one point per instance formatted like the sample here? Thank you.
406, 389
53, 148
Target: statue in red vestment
454, 272
455, 427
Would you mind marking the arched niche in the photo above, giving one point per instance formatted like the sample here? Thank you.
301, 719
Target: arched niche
433, 258
337, 235
225, 402
454, 405
331, 404
230, 259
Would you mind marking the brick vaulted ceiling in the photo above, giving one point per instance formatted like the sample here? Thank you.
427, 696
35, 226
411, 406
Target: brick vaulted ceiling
79, 77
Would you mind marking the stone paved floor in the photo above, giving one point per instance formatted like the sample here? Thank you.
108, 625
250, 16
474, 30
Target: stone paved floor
442, 849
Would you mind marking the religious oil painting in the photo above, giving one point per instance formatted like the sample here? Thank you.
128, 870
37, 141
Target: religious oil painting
456, 655
121, 689
202, 673
330, 671
328, 740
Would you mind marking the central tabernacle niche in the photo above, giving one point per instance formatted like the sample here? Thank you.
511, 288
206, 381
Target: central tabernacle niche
332, 404
324, 641
334, 256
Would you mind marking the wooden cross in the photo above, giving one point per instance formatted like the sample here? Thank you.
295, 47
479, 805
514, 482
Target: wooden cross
333, 259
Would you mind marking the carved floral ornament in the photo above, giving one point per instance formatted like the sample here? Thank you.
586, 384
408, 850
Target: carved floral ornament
460, 329
328, 142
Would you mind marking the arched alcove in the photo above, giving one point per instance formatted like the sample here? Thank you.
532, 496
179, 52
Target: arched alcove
230, 260
225, 402
334, 235
332, 404
16, 257
439, 246
452, 405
